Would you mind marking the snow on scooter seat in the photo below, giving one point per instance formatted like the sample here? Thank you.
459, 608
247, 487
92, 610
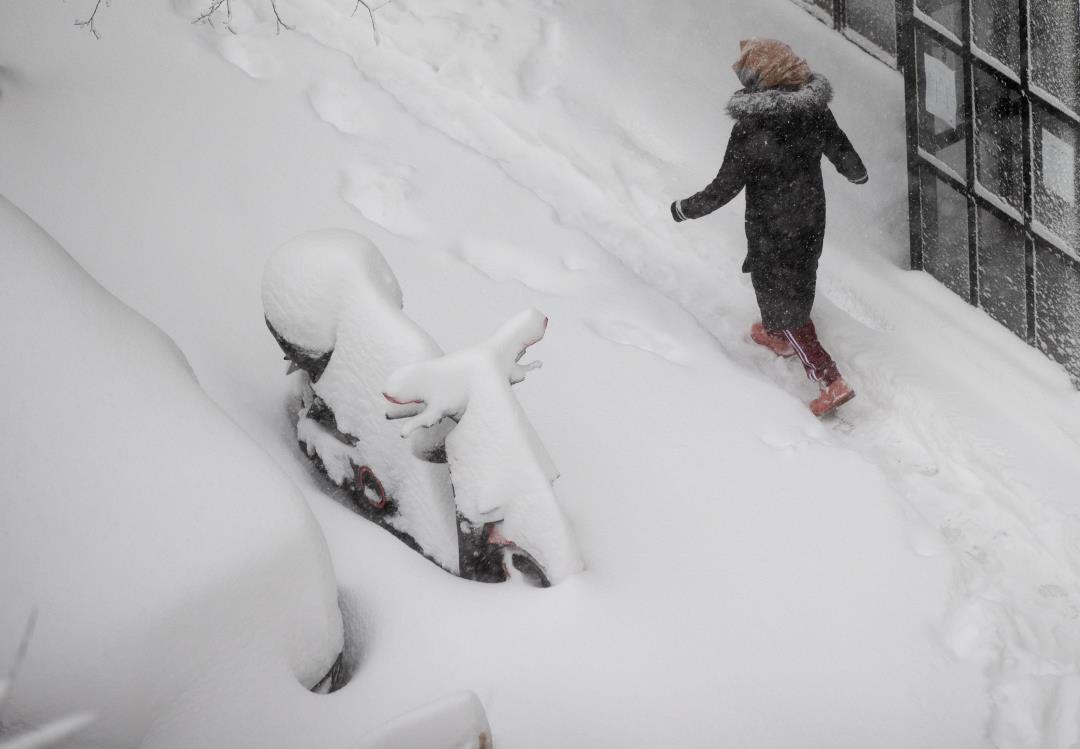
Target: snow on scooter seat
335, 307
501, 472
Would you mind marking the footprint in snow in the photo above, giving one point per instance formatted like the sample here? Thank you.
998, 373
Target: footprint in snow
926, 542
904, 450
1050, 590
249, 53
637, 336
538, 73
1069, 426
854, 304
384, 196
343, 106
504, 262
785, 436
576, 261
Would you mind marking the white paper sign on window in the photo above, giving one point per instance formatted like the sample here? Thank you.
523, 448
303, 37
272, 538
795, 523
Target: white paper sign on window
940, 89
1058, 166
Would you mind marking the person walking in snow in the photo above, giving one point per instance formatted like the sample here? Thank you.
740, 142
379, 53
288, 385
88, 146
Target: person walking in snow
783, 126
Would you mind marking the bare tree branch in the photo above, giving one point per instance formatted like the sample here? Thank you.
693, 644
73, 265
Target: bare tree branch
215, 6
280, 24
371, 15
208, 16
89, 22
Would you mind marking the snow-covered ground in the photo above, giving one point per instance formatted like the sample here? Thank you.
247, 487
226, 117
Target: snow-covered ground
904, 575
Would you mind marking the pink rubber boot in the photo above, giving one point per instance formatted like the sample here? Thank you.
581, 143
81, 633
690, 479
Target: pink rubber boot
820, 368
775, 342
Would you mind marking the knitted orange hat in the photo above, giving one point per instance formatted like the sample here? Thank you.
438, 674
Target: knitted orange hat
770, 63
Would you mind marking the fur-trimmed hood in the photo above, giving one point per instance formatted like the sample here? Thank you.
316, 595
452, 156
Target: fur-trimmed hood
769, 63
778, 101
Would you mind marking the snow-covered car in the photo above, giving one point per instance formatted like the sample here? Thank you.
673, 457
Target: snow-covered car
182, 590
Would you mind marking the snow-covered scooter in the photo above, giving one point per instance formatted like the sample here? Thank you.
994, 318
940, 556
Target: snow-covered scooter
501, 473
335, 308
470, 485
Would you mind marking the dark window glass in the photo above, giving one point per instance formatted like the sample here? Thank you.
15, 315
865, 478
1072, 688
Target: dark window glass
1055, 48
1055, 142
999, 153
1002, 272
945, 234
996, 29
946, 12
1057, 308
875, 20
941, 91
824, 5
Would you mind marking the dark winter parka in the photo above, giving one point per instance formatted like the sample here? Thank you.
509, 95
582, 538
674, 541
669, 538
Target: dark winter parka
775, 152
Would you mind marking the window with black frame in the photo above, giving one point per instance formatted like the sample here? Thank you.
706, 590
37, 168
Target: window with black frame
871, 24
942, 117
993, 92
873, 21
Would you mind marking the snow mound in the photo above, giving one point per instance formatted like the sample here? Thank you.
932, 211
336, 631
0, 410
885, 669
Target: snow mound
456, 722
150, 535
335, 307
502, 474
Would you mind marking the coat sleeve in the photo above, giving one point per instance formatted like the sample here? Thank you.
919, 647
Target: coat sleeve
727, 184
840, 152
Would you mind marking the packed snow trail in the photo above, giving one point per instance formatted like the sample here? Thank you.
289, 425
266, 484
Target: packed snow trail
751, 577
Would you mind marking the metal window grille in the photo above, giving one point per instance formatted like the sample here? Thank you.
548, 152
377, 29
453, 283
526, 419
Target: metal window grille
992, 89
871, 24
993, 95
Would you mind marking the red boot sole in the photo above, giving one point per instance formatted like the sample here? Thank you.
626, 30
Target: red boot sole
834, 405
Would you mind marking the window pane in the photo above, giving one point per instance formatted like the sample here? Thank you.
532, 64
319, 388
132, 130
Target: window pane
996, 28
1055, 56
945, 12
941, 89
1055, 142
1002, 272
1057, 308
945, 234
825, 7
999, 153
875, 20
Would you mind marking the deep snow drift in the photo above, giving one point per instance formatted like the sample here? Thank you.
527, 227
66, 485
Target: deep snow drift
903, 576
164, 560
189, 551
